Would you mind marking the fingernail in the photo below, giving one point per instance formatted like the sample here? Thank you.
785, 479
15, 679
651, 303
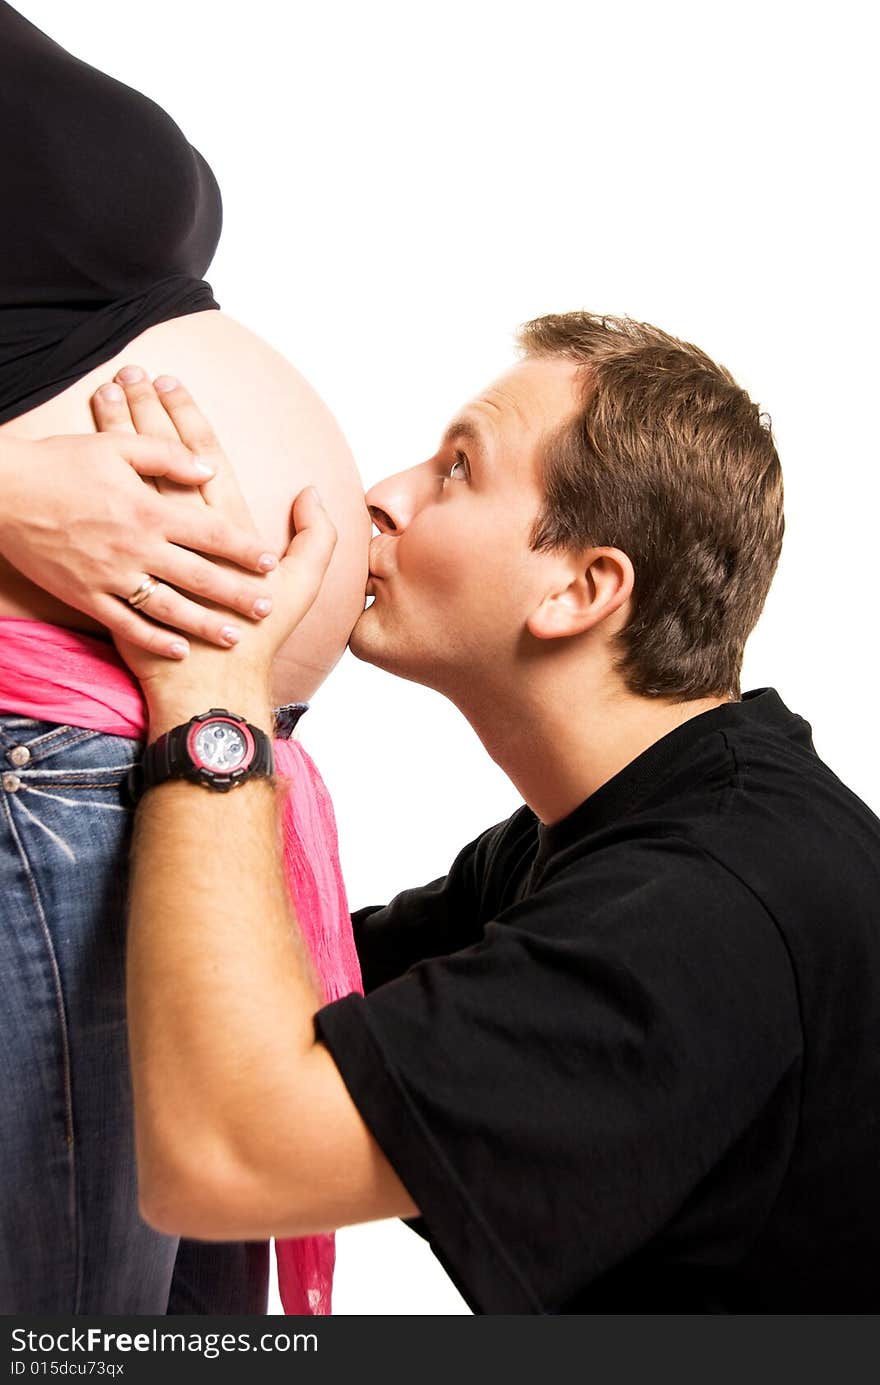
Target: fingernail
165, 383
267, 562
130, 374
113, 392
317, 494
177, 650
230, 634
203, 469
262, 607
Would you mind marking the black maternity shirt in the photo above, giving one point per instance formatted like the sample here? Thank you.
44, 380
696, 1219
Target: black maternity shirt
109, 217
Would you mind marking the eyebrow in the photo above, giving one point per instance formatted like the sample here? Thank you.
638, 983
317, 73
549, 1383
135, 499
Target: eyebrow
464, 428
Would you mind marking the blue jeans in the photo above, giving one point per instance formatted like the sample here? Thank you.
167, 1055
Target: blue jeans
71, 1240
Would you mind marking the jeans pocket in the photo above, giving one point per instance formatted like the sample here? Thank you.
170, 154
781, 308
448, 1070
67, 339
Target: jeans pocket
60, 782
49, 747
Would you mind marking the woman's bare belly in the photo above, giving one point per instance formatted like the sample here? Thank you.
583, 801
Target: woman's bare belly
279, 437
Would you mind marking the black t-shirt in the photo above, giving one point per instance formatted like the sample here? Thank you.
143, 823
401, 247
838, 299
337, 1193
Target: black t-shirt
110, 217
631, 1062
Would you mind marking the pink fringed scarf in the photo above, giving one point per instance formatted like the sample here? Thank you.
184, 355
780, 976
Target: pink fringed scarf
59, 675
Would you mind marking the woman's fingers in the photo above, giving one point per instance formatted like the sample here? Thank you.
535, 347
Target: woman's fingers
144, 407
153, 623
199, 528
209, 531
150, 419
223, 527
110, 410
125, 623
193, 428
171, 608
116, 411
188, 421
164, 408
223, 586
162, 457
159, 453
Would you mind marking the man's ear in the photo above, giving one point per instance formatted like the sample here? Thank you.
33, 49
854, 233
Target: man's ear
600, 581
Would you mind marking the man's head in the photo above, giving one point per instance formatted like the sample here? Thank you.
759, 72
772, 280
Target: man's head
614, 495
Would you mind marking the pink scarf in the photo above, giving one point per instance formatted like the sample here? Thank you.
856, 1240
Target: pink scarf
59, 675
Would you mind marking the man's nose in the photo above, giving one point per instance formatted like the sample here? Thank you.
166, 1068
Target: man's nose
392, 503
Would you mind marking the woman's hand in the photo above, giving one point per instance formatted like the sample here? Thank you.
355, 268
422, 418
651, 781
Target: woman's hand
80, 517
208, 673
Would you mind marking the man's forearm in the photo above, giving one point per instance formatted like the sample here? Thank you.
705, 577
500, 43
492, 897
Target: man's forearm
221, 993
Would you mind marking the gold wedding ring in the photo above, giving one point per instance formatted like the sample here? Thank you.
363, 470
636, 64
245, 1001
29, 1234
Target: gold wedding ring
143, 592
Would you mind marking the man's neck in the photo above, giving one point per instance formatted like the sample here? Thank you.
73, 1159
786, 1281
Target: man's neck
559, 744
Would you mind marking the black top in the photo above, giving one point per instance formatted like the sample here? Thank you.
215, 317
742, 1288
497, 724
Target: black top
110, 218
647, 1076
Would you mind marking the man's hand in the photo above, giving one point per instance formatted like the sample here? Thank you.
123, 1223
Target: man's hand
209, 676
81, 518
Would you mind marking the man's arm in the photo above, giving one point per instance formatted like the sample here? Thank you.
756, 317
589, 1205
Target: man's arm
244, 1126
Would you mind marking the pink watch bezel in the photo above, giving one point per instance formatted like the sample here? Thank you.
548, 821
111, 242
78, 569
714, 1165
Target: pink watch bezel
240, 726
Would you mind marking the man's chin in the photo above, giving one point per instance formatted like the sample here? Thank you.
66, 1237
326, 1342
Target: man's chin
368, 643
360, 644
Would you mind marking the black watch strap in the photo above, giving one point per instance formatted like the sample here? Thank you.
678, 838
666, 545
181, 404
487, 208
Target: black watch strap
168, 758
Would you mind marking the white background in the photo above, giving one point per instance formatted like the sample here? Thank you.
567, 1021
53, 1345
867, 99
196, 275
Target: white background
403, 183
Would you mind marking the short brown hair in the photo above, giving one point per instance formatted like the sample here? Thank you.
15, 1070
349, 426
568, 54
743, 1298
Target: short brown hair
670, 461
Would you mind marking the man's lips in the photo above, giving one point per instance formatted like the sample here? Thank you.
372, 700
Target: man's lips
377, 548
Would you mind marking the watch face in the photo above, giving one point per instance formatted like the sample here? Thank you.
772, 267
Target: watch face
221, 746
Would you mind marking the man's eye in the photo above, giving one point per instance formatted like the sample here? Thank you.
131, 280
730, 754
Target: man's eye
460, 460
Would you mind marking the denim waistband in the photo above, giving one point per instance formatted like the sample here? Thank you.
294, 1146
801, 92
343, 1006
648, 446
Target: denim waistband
286, 718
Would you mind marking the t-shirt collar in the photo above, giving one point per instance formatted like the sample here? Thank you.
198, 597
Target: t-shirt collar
761, 707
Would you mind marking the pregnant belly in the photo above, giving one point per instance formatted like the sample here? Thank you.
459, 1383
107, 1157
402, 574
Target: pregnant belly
279, 437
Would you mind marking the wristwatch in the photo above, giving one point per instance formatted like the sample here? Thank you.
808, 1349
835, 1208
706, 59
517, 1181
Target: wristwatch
217, 749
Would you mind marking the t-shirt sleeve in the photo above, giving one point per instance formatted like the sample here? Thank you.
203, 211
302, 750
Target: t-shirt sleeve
428, 921
552, 1093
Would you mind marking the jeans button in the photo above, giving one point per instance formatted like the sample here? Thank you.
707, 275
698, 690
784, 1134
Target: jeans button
18, 756
11, 783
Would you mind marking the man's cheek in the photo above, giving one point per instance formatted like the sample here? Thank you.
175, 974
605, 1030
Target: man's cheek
435, 571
